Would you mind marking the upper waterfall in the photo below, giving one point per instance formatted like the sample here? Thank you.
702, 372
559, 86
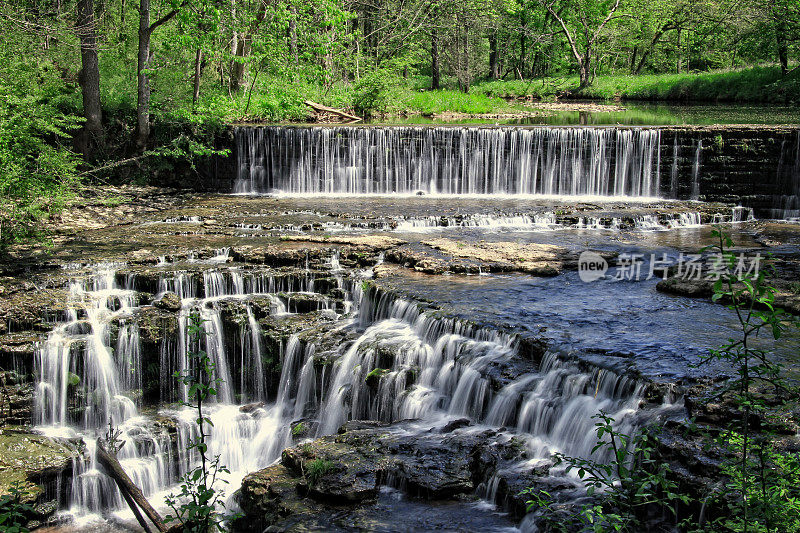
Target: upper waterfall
449, 160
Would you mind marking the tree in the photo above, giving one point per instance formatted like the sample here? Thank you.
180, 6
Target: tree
583, 22
89, 76
142, 65
36, 165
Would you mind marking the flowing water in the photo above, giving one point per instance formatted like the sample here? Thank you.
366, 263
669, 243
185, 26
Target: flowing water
562, 162
436, 368
383, 353
545, 161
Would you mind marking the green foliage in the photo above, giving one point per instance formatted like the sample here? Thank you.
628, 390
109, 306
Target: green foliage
627, 486
196, 506
14, 511
36, 164
317, 469
448, 101
298, 429
770, 487
372, 93
762, 493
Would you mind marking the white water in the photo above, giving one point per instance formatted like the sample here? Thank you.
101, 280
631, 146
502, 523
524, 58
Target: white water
438, 369
696, 170
595, 162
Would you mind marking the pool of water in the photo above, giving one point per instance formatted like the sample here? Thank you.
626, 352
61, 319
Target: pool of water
622, 324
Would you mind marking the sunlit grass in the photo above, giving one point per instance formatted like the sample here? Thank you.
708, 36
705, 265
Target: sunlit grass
757, 84
449, 101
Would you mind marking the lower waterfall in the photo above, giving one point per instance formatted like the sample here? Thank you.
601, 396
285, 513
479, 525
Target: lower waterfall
398, 359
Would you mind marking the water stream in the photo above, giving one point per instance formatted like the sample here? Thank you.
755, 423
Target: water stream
432, 368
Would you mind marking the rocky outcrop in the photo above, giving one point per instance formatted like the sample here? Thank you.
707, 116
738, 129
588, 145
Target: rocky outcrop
39, 466
449, 462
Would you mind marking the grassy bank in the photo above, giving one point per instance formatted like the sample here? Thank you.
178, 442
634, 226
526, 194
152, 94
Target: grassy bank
279, 100
757, 84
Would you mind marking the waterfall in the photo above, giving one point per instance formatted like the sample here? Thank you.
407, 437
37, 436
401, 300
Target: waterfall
673, 173
409, 160
77, 352
401, 360
696, 171
786, 203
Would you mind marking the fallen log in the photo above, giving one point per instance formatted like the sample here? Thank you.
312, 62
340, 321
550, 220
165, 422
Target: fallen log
129, 490
319, 108
136, 512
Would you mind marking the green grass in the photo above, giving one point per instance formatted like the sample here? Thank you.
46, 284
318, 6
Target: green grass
757, 84
449, 101
317, 469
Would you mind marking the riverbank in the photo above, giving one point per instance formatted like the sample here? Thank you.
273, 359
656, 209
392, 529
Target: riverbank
277, 100
757, 84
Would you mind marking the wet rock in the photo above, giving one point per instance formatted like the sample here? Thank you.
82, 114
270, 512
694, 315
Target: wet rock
169, 302
155, 324
536, 259
18, 349
686, 287
350, 467
456, 424
377, 242
31, 308
16, 399
268, 496
38, 464
303, 428
250, 407
304, 302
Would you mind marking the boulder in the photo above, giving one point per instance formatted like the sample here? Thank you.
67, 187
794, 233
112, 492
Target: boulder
169, 302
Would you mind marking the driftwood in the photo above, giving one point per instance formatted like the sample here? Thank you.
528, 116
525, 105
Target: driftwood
319, 108
129, 490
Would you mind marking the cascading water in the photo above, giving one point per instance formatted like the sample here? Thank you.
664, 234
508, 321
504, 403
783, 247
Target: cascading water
405, 160
402, 362
696, 170
786, 204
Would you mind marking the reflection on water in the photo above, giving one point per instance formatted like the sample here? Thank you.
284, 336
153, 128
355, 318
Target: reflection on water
643, 114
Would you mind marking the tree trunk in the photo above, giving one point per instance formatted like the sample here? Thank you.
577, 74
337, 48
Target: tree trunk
115, 471
435, 78
523, 44
89, 76
494, 67
242, 50
293, 36
584, 72
467, 75
143, 63
198, 59
237, 69
646, 54
783, 48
